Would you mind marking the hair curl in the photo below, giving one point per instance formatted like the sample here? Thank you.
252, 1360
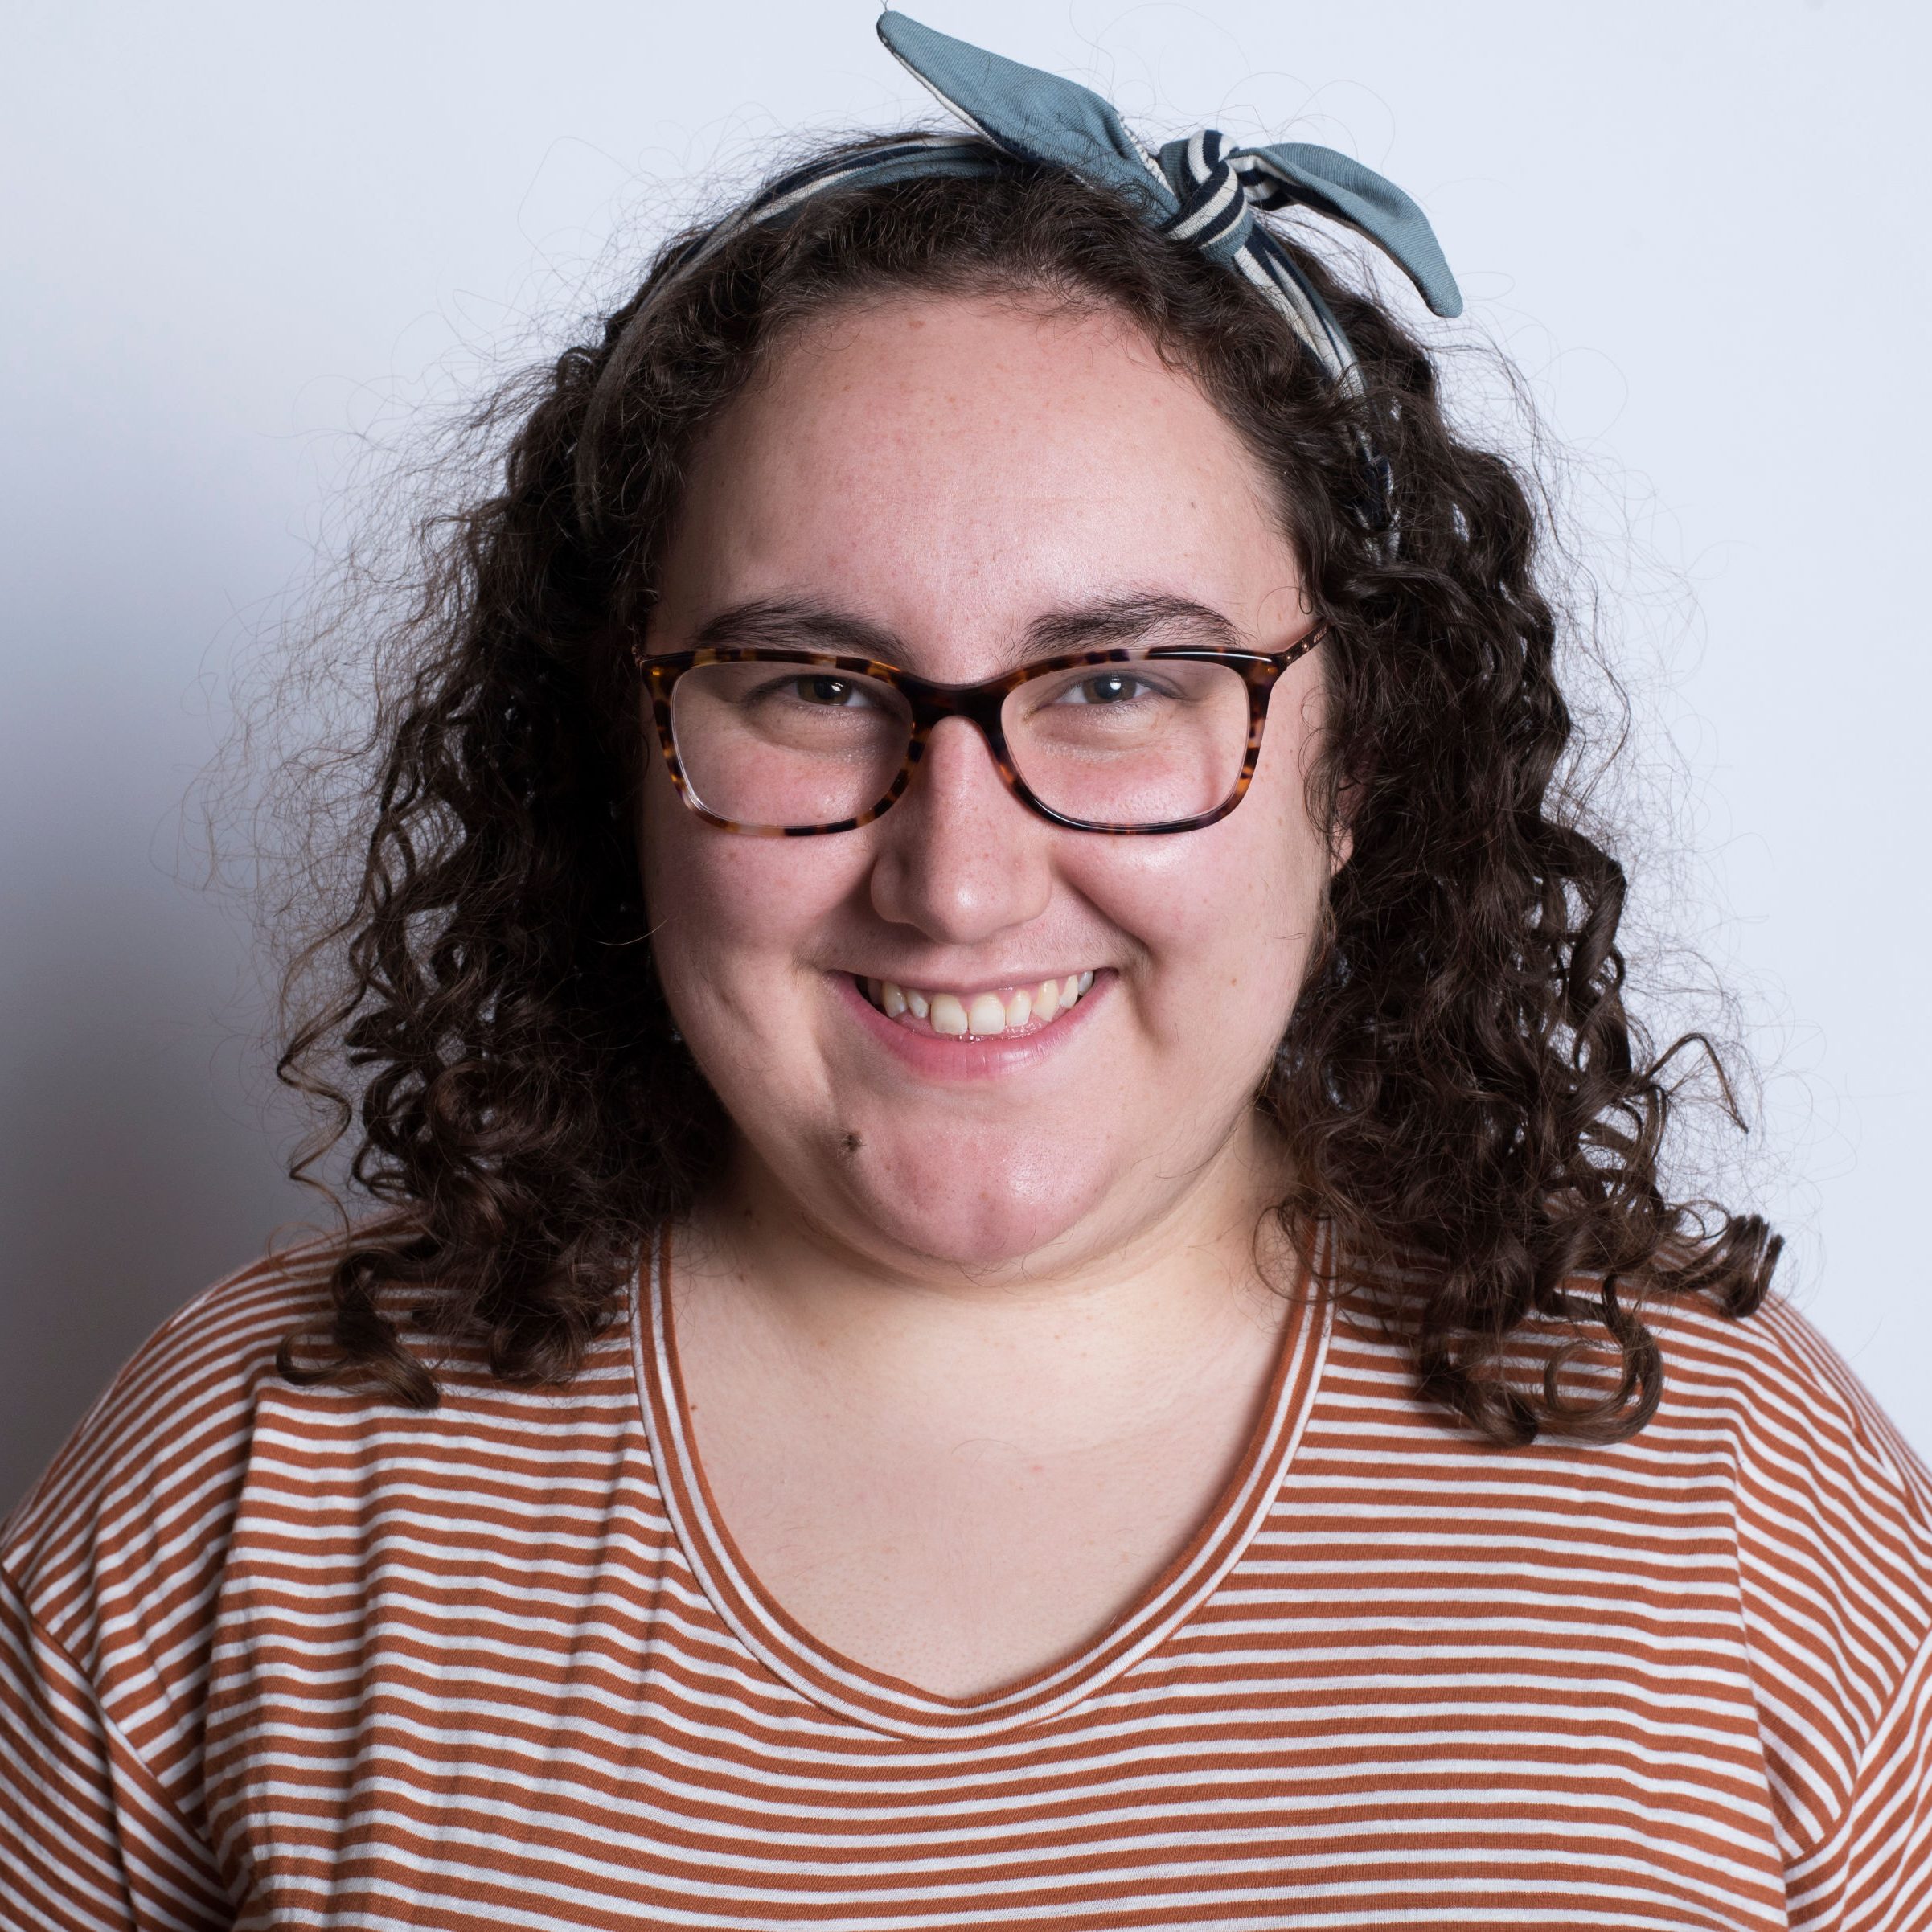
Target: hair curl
1468, 1104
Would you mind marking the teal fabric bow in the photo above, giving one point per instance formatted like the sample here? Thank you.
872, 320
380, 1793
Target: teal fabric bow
1199, 189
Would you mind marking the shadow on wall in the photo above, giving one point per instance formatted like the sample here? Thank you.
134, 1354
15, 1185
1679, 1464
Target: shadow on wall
132, 1171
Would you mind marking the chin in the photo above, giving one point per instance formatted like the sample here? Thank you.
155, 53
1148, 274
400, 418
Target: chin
967, 1209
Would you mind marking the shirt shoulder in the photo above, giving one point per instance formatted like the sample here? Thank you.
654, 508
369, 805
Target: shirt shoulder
116, 1554
1825, 1478
1832, 1523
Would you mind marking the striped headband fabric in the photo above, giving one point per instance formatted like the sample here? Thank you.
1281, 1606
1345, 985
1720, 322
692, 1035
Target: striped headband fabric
1199, 191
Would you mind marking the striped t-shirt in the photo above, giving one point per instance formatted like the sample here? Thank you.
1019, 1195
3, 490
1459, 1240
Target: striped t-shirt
273, 1657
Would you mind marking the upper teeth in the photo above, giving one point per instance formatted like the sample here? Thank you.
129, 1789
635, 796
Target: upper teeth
980, 1013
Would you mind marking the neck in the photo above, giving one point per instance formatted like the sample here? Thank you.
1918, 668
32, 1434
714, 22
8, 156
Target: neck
1126, 1302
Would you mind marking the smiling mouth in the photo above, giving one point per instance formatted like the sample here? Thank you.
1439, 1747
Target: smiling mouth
1020, 1009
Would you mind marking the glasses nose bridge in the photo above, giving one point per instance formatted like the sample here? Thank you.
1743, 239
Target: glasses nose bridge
980, 705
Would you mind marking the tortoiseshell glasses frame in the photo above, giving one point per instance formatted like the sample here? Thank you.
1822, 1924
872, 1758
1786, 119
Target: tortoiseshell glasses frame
981, 704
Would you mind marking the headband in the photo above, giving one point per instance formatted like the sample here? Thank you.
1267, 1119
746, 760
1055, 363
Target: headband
1199, 191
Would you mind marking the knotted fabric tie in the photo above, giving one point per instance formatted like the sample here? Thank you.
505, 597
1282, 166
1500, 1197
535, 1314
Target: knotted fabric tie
1198, 190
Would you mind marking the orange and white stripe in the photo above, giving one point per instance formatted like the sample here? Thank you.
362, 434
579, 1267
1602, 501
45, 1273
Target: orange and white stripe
273, 1657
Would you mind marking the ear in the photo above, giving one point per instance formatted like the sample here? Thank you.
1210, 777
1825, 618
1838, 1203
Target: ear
1341, 826
1341, 848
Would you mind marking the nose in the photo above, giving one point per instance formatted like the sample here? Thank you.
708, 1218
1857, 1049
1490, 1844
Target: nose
959, 857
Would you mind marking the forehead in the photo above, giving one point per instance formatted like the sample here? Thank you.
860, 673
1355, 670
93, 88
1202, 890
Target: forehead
951, 469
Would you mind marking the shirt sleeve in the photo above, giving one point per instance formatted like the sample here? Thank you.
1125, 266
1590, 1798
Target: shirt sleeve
89, 1841
1873, 1872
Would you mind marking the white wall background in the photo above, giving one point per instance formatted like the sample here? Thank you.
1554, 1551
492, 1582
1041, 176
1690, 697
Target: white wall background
233, 231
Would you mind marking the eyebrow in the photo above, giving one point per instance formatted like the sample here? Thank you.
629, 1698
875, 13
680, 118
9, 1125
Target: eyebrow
805, 624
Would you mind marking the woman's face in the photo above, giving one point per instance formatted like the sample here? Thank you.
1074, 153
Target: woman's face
951, 474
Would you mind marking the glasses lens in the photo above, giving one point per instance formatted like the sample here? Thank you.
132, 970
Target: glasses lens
1142, 742
772, 744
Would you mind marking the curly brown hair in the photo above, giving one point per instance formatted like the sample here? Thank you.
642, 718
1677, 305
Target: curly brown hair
1468, 1104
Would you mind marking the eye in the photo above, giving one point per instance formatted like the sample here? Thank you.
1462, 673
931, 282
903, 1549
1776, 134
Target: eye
816, 690
821, 690
1106, 688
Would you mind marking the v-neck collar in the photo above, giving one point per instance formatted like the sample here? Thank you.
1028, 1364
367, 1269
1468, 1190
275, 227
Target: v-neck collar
884, 1703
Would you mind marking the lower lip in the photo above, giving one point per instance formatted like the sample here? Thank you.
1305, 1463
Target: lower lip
936, 1056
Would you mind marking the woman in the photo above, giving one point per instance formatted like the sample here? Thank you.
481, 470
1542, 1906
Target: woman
1094, 1335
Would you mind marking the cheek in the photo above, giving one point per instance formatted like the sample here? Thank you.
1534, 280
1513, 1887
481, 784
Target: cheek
1225, 917
723, 906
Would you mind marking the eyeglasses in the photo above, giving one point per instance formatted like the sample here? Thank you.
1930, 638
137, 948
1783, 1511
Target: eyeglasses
785, 743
